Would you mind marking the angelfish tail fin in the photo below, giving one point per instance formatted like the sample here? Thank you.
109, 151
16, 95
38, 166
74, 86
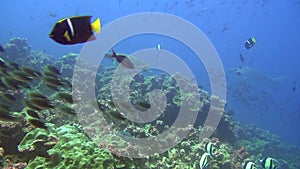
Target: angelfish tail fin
96, 26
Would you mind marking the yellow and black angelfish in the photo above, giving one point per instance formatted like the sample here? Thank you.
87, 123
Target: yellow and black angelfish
73, 30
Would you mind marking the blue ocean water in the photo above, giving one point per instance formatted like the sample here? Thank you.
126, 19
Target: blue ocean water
263, 95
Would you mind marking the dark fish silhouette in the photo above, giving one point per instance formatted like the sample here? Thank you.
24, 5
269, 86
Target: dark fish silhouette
116, 115
31, 72
124, 60
143, 104
37, 123
41, 103
225, 28
10, 83
242, 58
67, 110
53, 70
8, 96
52, 81
29, 105
32, 113
21, 76
52, 14
14, 65
66, 97
36, 94
294, 86
8, 117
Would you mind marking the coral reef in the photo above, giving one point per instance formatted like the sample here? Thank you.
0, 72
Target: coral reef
262, 143
72, 150
66, 64
38, 141
17, 48
66, 141
19, 51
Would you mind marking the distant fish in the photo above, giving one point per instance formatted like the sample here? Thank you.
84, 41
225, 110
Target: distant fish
73, 30
8, 117
124, 60
52, 14
116, 115
66, 97
225, 28
143, 104
37, 123
29, 105
66, 83
31, 72
67, 110
238, 71
35, 94
32, 113
172, 6
242, 58
21, 76
294, 86
47, 73
269, 163
204, 161
249, 165
188, 1
159, 46
8, 97
250, 42
1, 49
55, 88
41, 103
52, 69
206, 10
10, 83
53, 82
14, 65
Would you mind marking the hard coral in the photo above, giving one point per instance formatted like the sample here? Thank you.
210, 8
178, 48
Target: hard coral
17, 48
73, 150
38, 141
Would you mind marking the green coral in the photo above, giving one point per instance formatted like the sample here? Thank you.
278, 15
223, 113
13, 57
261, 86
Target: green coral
38, 141
73, 150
